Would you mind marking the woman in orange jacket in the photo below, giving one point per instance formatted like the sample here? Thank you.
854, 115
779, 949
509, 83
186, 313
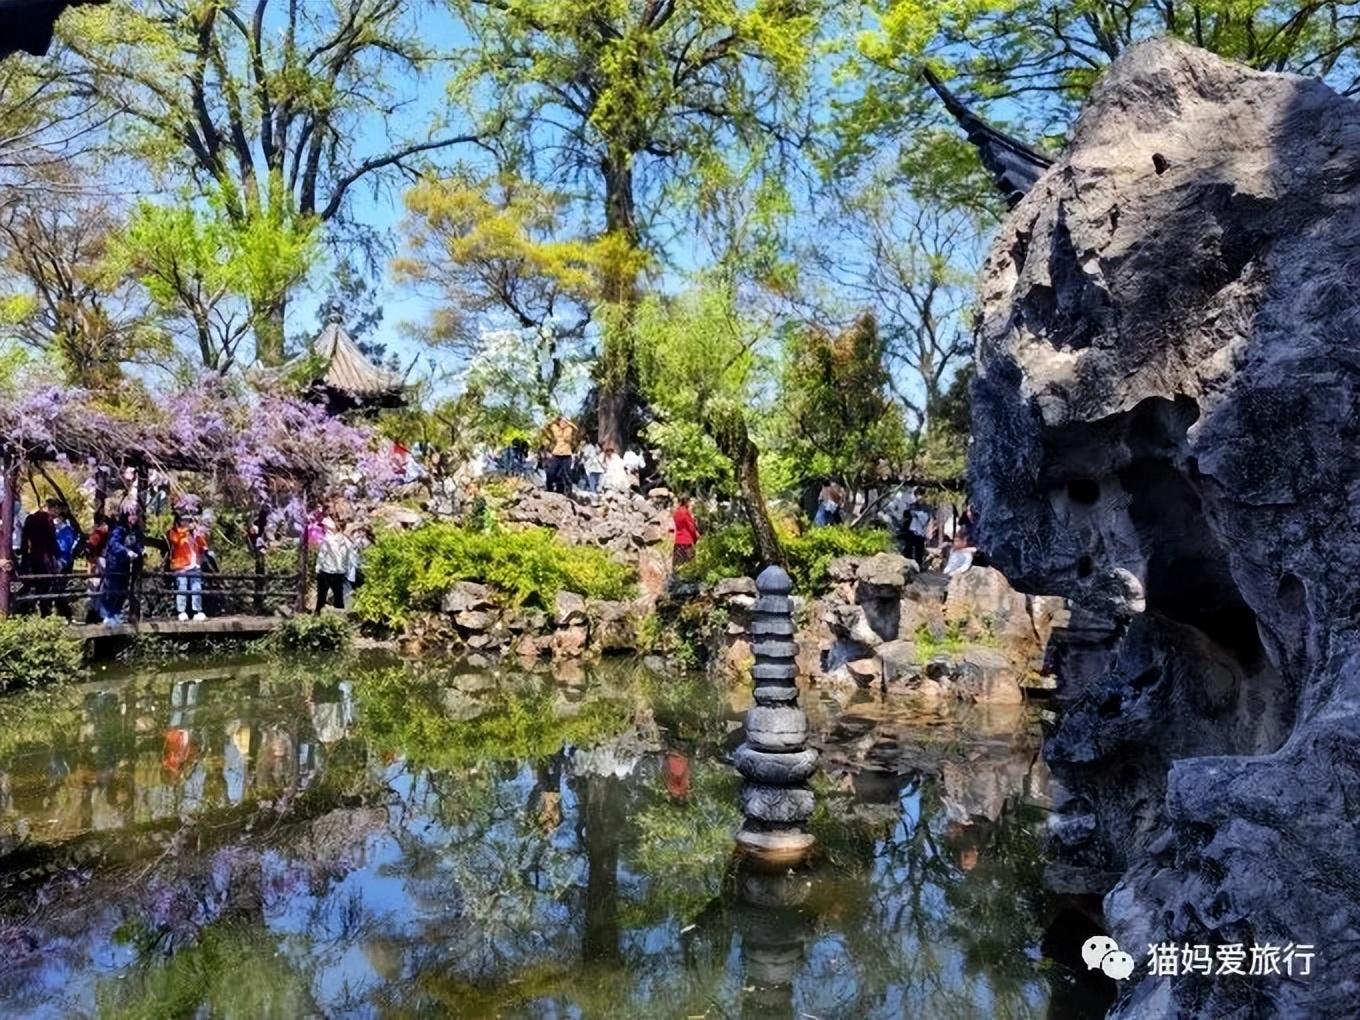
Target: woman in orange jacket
188, 546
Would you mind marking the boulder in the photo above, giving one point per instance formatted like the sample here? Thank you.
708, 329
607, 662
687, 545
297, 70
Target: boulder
475, 620
1164, 433
898, 660
986, 676
570, 642
843, 569
729, 586
883, 575
982, 595
615, 625
865, 672
568, 608
465, 596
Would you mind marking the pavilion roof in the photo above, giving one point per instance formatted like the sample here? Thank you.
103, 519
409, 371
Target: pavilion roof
348, 369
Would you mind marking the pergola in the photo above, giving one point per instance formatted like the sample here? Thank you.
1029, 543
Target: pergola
266, 440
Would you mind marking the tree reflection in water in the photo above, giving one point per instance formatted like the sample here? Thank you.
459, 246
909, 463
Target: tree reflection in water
367, 841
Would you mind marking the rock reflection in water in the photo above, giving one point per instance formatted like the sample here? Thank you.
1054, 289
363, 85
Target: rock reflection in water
482, 845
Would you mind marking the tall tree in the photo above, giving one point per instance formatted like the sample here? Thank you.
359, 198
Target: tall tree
504, 272
837, 406
281, 107
912, 265
61, 294
1033, 61
700, 361
210, 275
619, 99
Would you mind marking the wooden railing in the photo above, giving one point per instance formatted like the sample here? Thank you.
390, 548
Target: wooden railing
151, 595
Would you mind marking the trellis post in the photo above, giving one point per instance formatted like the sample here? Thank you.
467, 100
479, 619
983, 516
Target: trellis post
300, 601
138, 567
9, 482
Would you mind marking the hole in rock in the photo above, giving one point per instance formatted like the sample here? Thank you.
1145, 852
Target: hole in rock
1083, 490
1085, 567
1159, 163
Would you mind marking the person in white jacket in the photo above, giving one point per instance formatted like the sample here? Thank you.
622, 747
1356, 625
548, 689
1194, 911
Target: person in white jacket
332, 564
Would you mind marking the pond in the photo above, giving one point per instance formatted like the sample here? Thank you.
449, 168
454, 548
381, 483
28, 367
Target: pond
290, 839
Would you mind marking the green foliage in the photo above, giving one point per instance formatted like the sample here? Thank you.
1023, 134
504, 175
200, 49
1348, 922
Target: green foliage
690, 459
194, 263
315, 632
951, 643
836, 396
730, 552
406, 571
206, 977
403, 714
37, 650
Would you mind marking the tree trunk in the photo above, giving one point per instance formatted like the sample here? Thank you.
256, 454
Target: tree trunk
269, 333
618, 369
735, 443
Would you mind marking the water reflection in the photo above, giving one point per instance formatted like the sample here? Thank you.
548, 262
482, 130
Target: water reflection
502, 845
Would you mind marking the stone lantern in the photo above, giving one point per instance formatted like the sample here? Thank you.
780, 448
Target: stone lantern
774, 760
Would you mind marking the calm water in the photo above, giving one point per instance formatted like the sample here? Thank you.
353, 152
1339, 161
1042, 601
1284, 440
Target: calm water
291, 840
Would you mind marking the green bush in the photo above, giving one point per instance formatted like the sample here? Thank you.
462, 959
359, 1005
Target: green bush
315, 632
411, 570
37, 650
731, 552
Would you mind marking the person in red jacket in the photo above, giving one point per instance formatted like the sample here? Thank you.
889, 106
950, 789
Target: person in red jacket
686, 534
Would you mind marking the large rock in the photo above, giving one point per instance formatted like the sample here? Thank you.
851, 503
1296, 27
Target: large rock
467, 596
982, 596
615, 625
986, 676
883, 575
568, 608
1164, 430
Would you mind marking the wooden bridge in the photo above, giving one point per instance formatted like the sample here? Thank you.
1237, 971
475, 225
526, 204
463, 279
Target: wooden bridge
234, 605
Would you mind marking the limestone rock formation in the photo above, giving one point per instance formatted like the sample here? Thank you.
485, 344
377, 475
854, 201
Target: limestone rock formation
1165, 430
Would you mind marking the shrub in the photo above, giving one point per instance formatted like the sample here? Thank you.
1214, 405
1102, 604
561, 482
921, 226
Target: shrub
37, 650
731, 552
411, 570
314, 632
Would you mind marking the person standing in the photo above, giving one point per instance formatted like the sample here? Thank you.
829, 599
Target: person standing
560, 442
918, 521
332, 564
39, 555
188, 546
633, 463
828, 505
615, 477
592, 460
686, 534
121, 552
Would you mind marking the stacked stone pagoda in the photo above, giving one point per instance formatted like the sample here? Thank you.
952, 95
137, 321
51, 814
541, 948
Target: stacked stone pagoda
775, 760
